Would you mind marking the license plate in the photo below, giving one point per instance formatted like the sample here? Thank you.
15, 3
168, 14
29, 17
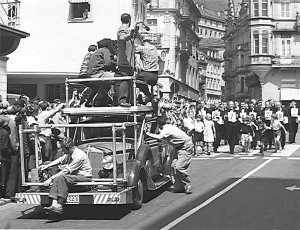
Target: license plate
72, 199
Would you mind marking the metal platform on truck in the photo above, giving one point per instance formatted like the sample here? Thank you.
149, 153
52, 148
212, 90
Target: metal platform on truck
118, 110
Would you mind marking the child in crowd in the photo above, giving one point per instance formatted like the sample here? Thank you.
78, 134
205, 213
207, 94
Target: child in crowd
261, 138
246, 131
198, 135
276, 127
209, 132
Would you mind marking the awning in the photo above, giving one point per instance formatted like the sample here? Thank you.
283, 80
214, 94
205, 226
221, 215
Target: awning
287, 94
79, 1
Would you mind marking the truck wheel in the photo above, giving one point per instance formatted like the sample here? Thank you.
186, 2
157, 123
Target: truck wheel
138, 195
145, 157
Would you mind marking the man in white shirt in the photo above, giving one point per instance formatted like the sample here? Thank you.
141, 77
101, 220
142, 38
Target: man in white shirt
184, 147
78, 169
43, 119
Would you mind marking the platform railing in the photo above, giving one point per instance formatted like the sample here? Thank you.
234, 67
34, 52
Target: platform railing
102, 181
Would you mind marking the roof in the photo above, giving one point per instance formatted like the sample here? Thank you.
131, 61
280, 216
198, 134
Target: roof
215, 5
206, 13
212, 42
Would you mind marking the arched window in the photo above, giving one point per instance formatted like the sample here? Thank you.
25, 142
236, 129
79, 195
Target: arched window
256, 41
265, 42
264, 8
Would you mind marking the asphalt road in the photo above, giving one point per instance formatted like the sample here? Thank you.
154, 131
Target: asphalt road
229, 192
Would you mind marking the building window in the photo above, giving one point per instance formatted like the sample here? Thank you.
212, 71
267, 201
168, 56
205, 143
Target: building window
286, 47
288, 83
210, 33
264, 8
201, 31
265, 42
152, 22
242, 84
80, 10
256, 8
28, 89
256, 41
242, 59
205, 32
285, 8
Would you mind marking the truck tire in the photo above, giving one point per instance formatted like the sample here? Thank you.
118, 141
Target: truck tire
138, 194
144, 155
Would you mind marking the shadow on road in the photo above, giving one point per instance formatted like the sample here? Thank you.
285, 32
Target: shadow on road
90, 212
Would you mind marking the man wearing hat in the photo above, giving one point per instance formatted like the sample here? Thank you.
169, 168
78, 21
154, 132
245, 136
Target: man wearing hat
77, 169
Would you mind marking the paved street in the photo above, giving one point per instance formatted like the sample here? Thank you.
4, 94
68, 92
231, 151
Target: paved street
230, 192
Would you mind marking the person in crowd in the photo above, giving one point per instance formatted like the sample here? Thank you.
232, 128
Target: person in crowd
201, 109
246, 134
83, 73
45, 134
149, 69
261, 138
209, 132
198, 135
276, 128
218, 117
282, 116
231, 118
293, 119
184, 147
125, 58
266, 113
3, 105
5, 150
77, 169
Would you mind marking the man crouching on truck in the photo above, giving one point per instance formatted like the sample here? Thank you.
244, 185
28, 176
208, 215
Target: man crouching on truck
184, 147
77, 169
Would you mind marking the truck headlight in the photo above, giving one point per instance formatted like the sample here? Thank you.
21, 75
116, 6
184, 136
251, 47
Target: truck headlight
107, 162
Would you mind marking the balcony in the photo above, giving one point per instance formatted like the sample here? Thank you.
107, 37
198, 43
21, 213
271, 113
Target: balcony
155, 38
286, 62
242, 47
185, 47
10, 13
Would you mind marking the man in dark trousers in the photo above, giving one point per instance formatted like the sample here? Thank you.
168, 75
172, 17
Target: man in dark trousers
218, 118
266, 113
231, 121
293, 113
125, 58
78, 169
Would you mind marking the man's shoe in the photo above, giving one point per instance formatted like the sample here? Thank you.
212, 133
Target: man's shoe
125, 104
188, 189
53, 210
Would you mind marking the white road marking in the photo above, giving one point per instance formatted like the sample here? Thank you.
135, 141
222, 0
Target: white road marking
293, 158
201, 158
247, 158
224, 158
274, 158
288, 151
192, 211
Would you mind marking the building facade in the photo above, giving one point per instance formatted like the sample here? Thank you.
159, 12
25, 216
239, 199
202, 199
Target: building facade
10, 37
174, 25
212, 47
262, 55
59, 41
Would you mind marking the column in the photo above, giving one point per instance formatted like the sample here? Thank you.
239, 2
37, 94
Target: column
3, 77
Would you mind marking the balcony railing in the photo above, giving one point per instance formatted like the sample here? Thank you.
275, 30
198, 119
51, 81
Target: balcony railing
286, 61
10, 13
185, 46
